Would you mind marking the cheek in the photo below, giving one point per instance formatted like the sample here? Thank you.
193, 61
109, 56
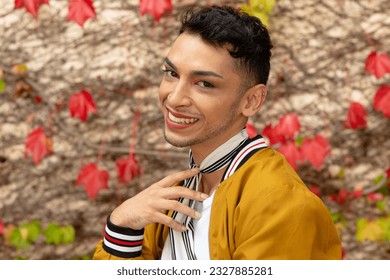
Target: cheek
163, 91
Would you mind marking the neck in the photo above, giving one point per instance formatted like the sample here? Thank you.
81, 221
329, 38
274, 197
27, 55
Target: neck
210, 182
208, 156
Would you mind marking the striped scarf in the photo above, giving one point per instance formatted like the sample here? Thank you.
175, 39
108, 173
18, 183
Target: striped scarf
181, 244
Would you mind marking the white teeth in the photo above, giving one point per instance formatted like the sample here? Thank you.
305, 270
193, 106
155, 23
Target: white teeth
181, 120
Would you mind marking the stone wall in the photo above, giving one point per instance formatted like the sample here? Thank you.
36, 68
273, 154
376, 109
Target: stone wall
317, 68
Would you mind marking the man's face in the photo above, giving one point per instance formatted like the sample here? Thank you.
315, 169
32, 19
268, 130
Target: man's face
200, 95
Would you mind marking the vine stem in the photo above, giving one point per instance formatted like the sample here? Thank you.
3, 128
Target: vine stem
101, 149
347, 84
369, 40
136, 117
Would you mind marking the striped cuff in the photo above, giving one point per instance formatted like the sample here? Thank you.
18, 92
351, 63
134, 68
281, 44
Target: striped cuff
121, 241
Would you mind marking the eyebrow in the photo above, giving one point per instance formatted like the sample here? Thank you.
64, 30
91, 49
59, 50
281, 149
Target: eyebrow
194, 72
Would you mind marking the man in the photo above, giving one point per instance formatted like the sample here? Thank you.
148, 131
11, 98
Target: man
240, 199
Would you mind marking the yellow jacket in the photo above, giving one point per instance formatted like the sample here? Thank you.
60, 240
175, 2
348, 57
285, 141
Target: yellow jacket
262, 211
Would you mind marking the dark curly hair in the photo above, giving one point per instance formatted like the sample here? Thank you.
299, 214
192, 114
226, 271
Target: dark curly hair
244, 36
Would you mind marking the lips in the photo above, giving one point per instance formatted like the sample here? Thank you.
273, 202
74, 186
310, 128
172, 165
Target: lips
179, 119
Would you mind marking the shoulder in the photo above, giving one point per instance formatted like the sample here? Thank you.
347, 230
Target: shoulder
265, 169
267, 178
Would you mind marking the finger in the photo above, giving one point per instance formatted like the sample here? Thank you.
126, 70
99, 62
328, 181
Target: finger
181, 208
177, 192
177, 177
170, 222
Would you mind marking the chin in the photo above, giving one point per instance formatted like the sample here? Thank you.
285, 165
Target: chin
178, 142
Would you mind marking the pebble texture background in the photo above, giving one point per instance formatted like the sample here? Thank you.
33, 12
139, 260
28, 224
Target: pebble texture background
318, 60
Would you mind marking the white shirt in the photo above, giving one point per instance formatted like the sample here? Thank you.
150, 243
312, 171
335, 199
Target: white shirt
201, 233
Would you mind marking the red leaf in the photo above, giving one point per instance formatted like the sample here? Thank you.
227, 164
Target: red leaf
81, 104
155, 7
38, 99
341, 197
382, 100
37, 145
356, 116
272, 135
316, 190
288, 125
378, 64
292, 153
32, 6
315, 150
388, 176
374, 197
356, 194
251, 130
1, 227
127, 168
92, 179
80, 11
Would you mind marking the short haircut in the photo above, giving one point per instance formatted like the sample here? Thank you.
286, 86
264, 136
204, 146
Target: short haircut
244, 36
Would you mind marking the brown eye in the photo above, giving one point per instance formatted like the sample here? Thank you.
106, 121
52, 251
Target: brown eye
170, 73
205, 84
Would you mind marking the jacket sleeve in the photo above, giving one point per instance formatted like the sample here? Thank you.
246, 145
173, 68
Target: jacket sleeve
288, 222
121, 243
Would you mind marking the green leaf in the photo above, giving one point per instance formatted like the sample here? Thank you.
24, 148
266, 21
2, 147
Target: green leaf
298, 141
2, 86
53, 234
21, 258
19, 239
68, 234
33, 230
267, 5
335, 217
378, 179
370, 230
341, 173
57, 235
256, 12
381, 205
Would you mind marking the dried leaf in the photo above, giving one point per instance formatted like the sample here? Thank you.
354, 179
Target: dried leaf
19, 69
93, 179
80, 11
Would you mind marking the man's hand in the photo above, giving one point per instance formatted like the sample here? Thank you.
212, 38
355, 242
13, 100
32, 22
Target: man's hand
148, 206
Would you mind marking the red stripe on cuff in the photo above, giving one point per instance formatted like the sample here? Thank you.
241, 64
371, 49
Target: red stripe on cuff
121, 242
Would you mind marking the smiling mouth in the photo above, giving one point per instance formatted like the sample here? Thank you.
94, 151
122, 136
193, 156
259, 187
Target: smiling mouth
177, 120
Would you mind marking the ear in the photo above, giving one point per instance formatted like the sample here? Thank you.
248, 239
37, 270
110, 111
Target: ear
253, 99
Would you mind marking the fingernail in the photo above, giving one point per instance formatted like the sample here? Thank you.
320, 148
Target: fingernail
196, 169
204, 196
197, 215
183, 228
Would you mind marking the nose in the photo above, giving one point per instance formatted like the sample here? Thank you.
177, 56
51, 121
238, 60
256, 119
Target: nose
179, 95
